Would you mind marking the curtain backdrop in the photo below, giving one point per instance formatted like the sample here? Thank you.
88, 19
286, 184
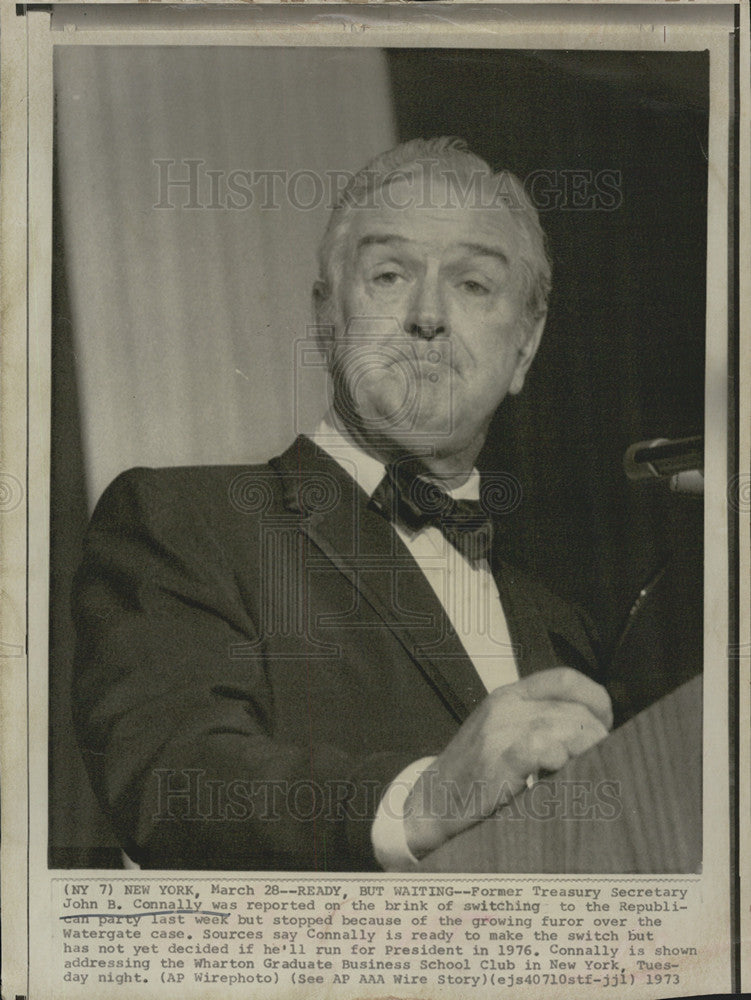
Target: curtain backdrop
186, 318
177, 328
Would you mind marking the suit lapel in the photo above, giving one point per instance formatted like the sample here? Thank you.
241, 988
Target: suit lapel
335, 515
527, 627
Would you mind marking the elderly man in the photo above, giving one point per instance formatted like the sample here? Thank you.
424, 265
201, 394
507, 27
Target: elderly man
324, 662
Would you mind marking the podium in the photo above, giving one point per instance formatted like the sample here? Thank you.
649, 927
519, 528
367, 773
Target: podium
631, 804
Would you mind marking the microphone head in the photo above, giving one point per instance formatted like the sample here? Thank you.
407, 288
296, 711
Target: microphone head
691, 482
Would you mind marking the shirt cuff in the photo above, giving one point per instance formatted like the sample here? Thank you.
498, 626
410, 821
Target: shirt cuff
387, 833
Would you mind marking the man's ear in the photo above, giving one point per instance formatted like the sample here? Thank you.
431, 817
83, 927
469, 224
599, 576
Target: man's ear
527, 350
320, 295
324, 329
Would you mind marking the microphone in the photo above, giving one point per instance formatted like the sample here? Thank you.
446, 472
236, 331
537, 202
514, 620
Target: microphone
664, 459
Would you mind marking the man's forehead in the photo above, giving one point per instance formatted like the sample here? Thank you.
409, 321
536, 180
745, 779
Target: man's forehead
464, 230
490, 247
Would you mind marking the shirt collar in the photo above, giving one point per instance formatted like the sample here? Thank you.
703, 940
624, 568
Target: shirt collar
366, 470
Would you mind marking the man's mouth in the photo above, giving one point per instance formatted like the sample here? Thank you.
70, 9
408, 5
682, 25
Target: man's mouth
430, 359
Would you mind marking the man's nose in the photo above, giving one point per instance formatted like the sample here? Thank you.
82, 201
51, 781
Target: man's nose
425, 316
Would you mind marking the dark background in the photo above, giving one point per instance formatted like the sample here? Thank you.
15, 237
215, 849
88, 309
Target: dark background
622, 360
622, 356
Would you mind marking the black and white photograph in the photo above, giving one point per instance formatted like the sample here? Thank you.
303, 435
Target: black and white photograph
373, 493
412, 395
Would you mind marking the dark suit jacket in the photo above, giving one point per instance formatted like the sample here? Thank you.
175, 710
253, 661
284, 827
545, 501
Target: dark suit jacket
259, 656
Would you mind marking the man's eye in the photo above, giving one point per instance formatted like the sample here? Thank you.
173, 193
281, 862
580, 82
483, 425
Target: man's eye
474, 287
387, 278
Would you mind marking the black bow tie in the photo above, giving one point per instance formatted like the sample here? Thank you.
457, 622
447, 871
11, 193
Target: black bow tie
416, 502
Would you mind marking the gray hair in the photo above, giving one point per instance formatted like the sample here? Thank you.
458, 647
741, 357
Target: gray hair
452, 158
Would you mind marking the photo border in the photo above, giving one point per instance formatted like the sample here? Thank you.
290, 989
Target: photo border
27, 83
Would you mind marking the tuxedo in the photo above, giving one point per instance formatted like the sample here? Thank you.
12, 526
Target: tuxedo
259, 656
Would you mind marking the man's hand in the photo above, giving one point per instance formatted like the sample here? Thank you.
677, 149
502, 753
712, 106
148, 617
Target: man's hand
536, 724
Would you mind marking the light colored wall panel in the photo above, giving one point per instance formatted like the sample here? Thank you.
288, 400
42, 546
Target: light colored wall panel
185, 319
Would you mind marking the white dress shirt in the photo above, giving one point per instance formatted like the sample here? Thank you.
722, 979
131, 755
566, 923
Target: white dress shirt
467, 592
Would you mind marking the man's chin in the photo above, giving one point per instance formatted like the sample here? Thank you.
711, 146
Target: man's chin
424, 435
383, 408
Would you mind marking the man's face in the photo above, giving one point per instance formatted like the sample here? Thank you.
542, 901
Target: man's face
430, 332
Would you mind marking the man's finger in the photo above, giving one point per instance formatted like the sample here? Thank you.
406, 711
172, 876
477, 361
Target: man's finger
586, 736
565, 684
